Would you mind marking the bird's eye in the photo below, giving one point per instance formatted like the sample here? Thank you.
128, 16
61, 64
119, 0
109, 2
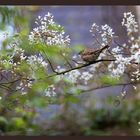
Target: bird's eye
80, 51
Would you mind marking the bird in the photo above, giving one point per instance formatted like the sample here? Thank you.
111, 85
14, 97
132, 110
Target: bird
91, 54
46, 35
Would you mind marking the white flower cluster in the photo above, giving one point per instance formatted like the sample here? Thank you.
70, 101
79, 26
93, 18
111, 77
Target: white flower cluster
60, 69
118, 67
116, 50
73, 75
123, 93
48, 32
129, 22
105, 32
121, 62
35, 60
13, 60
135, 75
50, 91
18, 55
94, 67
94, 28
135, 51
86, 76
24, 85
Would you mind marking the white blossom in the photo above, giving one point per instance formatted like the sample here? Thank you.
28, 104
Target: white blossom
129, 22
94, 28
34, 60
105, 32
123, 93
48, 32
73, 75
135, 87
86, 76
50, 91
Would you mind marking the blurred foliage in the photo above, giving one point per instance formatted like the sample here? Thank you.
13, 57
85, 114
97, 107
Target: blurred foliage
122, 121
109, 80
17, 112
117, 121
16, 16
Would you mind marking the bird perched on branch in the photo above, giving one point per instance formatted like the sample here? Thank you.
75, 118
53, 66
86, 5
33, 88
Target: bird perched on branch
91, 54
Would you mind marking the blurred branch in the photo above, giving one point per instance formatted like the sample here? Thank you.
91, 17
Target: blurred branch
66, 60
106, 86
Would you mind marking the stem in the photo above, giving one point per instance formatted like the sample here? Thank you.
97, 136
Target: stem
106, 86
79, 67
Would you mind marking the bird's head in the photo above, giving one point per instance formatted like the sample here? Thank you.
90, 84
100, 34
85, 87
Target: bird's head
81, 52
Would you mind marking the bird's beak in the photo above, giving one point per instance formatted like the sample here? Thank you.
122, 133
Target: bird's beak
80, 52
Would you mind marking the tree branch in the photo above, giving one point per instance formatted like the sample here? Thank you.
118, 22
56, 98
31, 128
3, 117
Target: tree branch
79, 67
106, 86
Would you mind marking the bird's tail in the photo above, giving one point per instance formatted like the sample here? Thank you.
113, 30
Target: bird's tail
105, 47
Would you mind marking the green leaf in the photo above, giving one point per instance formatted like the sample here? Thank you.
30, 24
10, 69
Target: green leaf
109, 80
3, 123
39, 102
18, 123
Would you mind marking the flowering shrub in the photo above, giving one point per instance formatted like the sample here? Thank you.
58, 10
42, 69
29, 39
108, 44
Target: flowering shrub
41, 67
41, 61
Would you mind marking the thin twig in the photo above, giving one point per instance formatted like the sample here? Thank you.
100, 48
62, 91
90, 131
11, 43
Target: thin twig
66, 60
106, 86
50, 62
79, 67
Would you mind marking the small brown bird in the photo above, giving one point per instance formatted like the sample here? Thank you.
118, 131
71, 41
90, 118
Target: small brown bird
90, 55
45, 35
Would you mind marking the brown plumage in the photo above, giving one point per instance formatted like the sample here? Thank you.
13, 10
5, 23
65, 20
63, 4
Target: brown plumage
90, 55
